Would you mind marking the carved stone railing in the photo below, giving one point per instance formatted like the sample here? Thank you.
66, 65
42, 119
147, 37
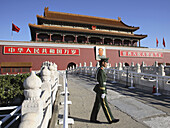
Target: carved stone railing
133, 76
40, 94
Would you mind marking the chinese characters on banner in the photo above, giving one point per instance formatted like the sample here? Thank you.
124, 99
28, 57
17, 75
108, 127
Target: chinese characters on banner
140, 54
40, 51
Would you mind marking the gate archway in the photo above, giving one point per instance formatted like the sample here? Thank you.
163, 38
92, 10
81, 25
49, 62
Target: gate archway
71, 64
126, 64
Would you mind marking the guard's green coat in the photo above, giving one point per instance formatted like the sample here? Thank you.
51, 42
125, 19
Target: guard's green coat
101, 78
100, 88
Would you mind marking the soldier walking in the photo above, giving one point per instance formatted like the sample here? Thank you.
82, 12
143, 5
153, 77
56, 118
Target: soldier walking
101, 92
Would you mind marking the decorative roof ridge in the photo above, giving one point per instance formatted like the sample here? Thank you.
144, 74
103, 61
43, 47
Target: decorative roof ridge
71, 14
43, 17
95, 17
51, 14
128, 25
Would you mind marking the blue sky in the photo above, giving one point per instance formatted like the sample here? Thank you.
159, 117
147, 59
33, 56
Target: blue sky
152, 16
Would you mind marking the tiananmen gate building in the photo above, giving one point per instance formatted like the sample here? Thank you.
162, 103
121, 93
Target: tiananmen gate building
70, 39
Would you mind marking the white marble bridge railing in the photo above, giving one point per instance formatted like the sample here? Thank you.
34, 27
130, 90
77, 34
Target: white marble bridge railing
131, 78
40, 94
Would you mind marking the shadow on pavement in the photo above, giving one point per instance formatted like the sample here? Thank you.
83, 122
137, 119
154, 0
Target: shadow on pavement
84, 120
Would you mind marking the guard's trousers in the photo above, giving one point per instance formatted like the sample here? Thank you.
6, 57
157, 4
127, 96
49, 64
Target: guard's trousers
98, 103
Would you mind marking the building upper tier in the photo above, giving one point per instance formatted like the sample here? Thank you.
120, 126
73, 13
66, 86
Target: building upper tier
51, 17
54, 24
46, 28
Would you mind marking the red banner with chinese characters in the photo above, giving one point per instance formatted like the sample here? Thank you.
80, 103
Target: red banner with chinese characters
40, 51
140, 54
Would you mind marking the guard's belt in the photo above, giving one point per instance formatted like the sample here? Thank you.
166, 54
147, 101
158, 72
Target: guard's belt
102, 88
104, 83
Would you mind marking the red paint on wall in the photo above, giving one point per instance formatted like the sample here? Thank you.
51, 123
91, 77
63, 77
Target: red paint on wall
86, 55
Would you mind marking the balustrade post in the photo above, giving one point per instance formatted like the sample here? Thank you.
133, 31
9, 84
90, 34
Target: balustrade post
137, 76
123, 65
119, 72
93, 72
85, 69
115, 65
73, 70
80, 69
131, 81
46, 86
127, 78
138, 68
90, 69
132, 66
76, 68
32, 106
142, 66
108, 66
114, 76
161, 70
98, 65
157, 87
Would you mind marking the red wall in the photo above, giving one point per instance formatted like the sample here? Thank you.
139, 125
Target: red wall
114, 58
86, 55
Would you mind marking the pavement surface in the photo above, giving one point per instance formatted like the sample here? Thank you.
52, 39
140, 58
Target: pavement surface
135, 108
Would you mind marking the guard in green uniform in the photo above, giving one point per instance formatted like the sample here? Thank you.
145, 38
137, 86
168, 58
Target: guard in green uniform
101, 92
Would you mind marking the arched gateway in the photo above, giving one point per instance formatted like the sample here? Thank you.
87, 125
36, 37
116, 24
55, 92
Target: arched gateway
71, 64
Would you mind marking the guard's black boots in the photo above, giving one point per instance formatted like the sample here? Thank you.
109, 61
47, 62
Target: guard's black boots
114, 121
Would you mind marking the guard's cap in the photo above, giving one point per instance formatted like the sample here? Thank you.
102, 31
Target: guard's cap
104, 59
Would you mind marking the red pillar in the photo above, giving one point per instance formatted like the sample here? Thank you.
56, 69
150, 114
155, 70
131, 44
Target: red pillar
36, 38
87, 40
131, 43
122, 42
63, 38
113, 42
50, 37
75, 38
139, 43
102, 40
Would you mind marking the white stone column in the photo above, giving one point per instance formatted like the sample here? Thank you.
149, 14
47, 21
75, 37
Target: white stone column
138, 68
32, 106
84, 64
108, 66
52, 70
90, 68
91, 65
156, 68
132, 66
120, 66
119, 73
161, 71
98, 65
80, 69
142, 66
156, 64
46, 87
123, 65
